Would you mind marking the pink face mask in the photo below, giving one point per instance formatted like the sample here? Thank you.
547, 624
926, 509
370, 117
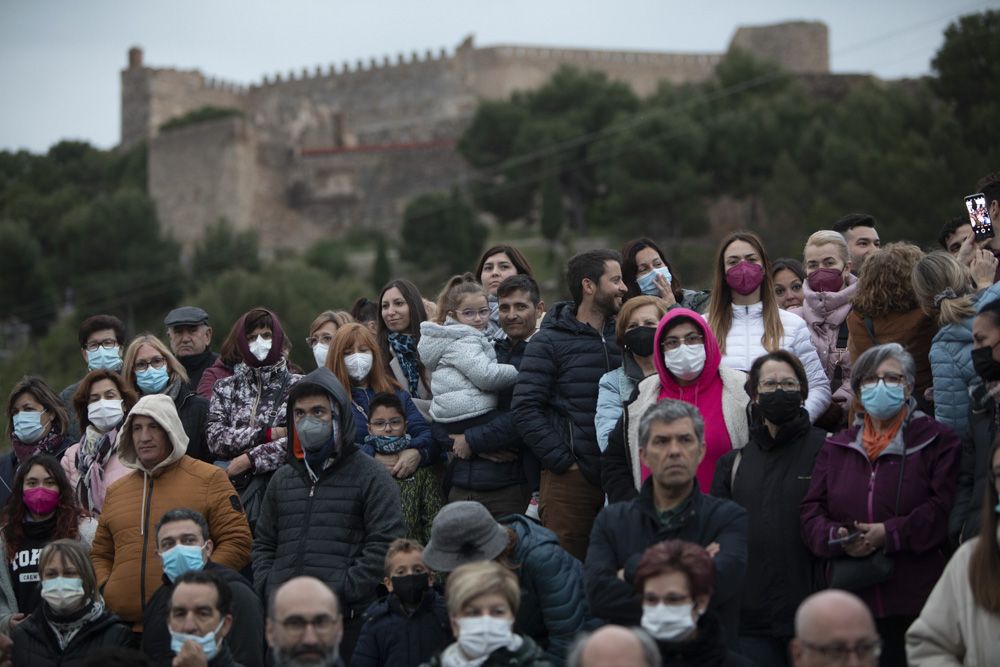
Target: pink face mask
825, 280
745, 277
41, 501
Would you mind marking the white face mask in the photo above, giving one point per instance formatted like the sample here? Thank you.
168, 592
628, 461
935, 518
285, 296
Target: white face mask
478, 636
63, 594
260, 347
320, 351
359, 365
686, 362
105, 414
668, 622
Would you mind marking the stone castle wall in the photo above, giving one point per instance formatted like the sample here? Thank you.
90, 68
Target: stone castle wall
319, 151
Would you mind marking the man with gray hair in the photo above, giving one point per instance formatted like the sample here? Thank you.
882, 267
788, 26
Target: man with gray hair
669, 507
614, 646
834, 627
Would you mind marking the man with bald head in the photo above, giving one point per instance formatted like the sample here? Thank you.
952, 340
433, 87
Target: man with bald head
304, 625
834, 627
614, 646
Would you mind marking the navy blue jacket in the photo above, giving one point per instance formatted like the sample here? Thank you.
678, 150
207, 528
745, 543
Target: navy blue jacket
500, 433
390, 638
553, 597
416, 426
555, 397
623, 531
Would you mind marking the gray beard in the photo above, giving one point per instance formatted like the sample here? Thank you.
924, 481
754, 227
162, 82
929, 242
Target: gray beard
284, 658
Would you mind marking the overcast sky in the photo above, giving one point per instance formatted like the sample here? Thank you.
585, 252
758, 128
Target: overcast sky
60, 59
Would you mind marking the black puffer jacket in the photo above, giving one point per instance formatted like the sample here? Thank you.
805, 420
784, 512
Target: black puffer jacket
623, 531
335, 528
500, 433
974, 474
193, 411
245, 639
555, 397
390, 638
36, 645
772, 478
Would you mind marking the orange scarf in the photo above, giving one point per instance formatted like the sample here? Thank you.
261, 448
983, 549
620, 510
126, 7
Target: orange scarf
875, 442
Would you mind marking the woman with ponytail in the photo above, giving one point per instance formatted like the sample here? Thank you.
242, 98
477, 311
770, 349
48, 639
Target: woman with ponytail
946, 293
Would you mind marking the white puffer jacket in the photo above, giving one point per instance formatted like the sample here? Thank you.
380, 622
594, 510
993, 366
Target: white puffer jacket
465, 375
744, 344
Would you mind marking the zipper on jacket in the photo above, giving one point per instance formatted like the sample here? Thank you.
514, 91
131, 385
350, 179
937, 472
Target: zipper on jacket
145, 545
880, 607
305, 529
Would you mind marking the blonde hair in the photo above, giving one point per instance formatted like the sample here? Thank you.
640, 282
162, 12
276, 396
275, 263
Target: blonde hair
629, 308
938, 277
128, 364
401, 545
469, 581
338, 317
720, 304
885, 283
826, 237
454, 292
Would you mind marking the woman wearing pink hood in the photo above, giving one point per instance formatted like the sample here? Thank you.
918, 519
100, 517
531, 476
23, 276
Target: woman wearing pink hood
688, 368
827, 294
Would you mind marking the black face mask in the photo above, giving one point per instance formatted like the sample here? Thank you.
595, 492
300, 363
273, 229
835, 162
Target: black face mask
411, 588
985, 366
780, 406
639, 341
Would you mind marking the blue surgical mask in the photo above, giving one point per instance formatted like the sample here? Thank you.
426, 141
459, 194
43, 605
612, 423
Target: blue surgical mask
63, 594
182, 558
102, 358
882, 402
152, 380
207, 643
28, 426
646, 284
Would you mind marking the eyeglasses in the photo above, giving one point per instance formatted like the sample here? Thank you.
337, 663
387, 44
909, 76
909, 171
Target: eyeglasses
383, 424
839, 653
471, 314
768, 386
107, 344
673, 342
326, 339
322, 624
890, 379
155, 362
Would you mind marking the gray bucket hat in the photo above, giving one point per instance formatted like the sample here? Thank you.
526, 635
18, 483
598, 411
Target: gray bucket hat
463, 532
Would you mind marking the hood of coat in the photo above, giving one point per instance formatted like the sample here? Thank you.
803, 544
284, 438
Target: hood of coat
436, 339
277, 341
917, 431
713, 357
162, 410
563, 316
327, 382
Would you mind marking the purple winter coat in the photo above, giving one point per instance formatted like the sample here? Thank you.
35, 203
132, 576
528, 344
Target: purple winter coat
846, 487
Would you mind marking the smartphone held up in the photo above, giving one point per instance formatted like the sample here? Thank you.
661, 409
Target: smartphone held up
979, 216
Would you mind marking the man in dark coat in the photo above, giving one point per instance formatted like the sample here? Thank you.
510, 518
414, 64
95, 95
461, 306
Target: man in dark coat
199, 618
489, 465
190, 339
556, 395
183, 530
331, 511
670, 506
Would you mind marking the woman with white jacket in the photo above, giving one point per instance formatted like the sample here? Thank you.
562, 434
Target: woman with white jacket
747, 322
960, 622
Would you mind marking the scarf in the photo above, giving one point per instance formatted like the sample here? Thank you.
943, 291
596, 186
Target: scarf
388, 444
66, 627
95, 451
452, 656
47, 444
404, 348
875, 442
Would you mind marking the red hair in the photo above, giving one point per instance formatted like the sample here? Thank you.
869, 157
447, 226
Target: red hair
689, 559
351, 335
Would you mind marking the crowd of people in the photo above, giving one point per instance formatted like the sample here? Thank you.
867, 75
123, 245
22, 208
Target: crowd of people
798, 466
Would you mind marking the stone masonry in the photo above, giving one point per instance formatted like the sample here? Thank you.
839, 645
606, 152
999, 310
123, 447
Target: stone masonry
313, 153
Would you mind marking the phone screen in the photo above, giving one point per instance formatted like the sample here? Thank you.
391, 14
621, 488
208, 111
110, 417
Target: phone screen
979, 216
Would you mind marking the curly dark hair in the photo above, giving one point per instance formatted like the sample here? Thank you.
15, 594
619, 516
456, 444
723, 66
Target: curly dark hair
68, 511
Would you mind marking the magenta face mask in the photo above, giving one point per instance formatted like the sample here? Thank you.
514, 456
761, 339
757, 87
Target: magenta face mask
41, 501
745, 277
825, 280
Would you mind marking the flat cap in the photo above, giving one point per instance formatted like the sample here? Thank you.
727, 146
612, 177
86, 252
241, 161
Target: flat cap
185, 315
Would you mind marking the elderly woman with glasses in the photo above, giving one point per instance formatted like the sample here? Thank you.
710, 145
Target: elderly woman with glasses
878, 502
